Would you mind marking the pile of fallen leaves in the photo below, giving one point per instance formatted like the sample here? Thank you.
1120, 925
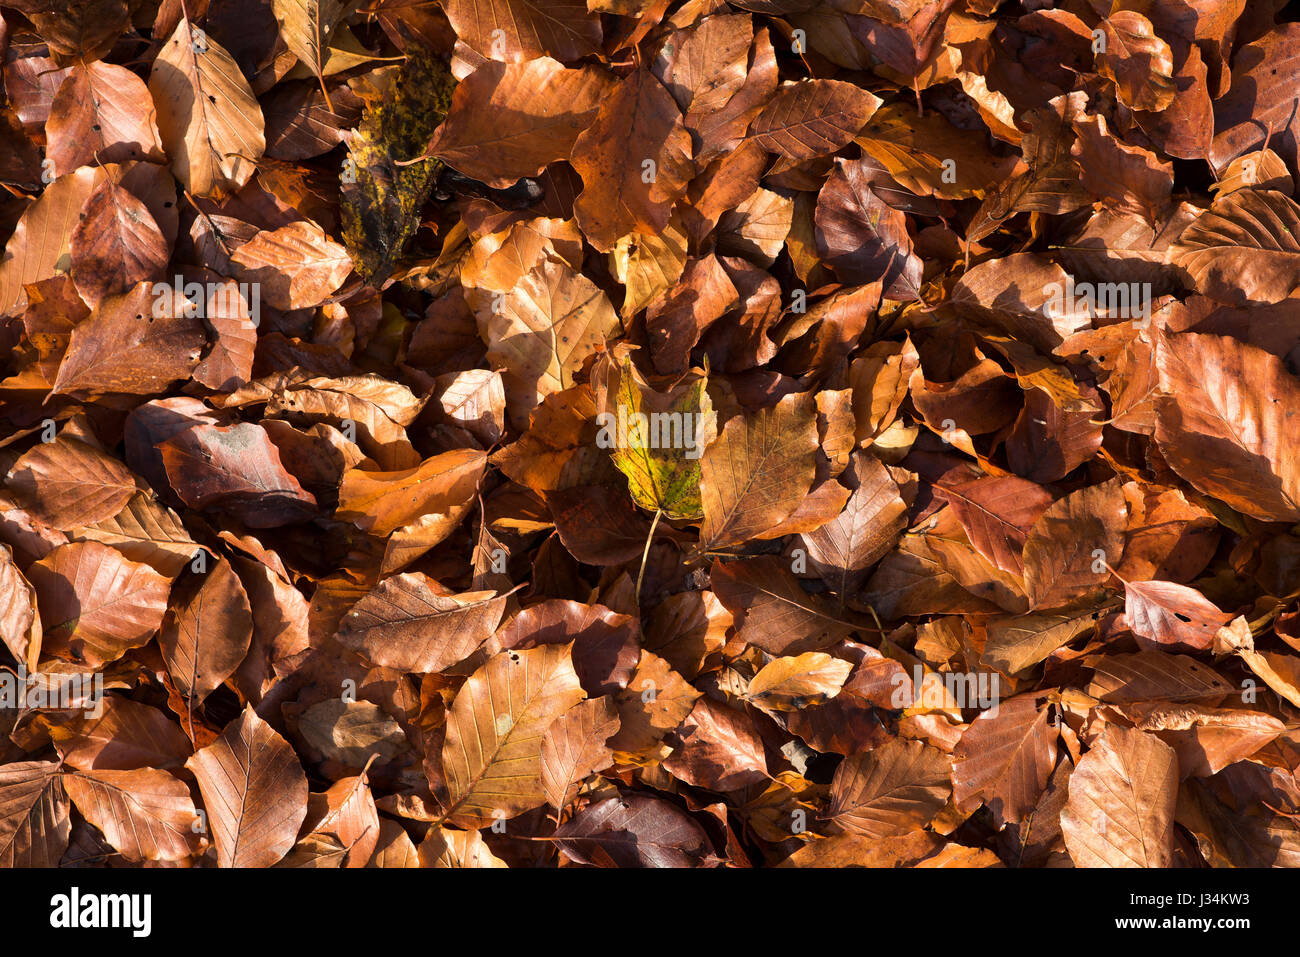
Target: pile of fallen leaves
648, 433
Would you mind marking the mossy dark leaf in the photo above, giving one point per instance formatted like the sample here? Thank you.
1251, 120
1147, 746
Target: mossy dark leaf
382, 192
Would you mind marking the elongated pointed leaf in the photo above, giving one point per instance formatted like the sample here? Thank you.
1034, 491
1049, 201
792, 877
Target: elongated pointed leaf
204, 640
20, 625
254, 791
574, 747
657, 442
306, 26
211, 124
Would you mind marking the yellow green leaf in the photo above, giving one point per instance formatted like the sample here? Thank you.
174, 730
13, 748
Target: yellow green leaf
657, 441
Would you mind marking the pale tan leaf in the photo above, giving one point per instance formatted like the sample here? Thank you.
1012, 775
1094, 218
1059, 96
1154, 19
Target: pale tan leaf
444, 847
794, 683
541, 330
297, 266
39, 246
306, 27
1120, 811
145, 531
211, 124
351, 732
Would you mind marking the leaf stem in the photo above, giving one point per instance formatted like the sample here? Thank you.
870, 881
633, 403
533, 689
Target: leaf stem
326, 93
645, 554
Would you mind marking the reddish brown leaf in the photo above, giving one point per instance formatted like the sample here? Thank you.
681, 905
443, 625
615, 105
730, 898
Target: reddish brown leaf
411, 623
634, 831
894, 789
634, 160
34, 823
96, 604
205, 638
813, 118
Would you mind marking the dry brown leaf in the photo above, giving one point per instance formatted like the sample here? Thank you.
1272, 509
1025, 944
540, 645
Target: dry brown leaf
890, 791
412, 623
574, 748
793, 683
756, 472
1121, 806
254, 792
210, 122
146, 815
95, 603
1005, 758
205, 638
492, 757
